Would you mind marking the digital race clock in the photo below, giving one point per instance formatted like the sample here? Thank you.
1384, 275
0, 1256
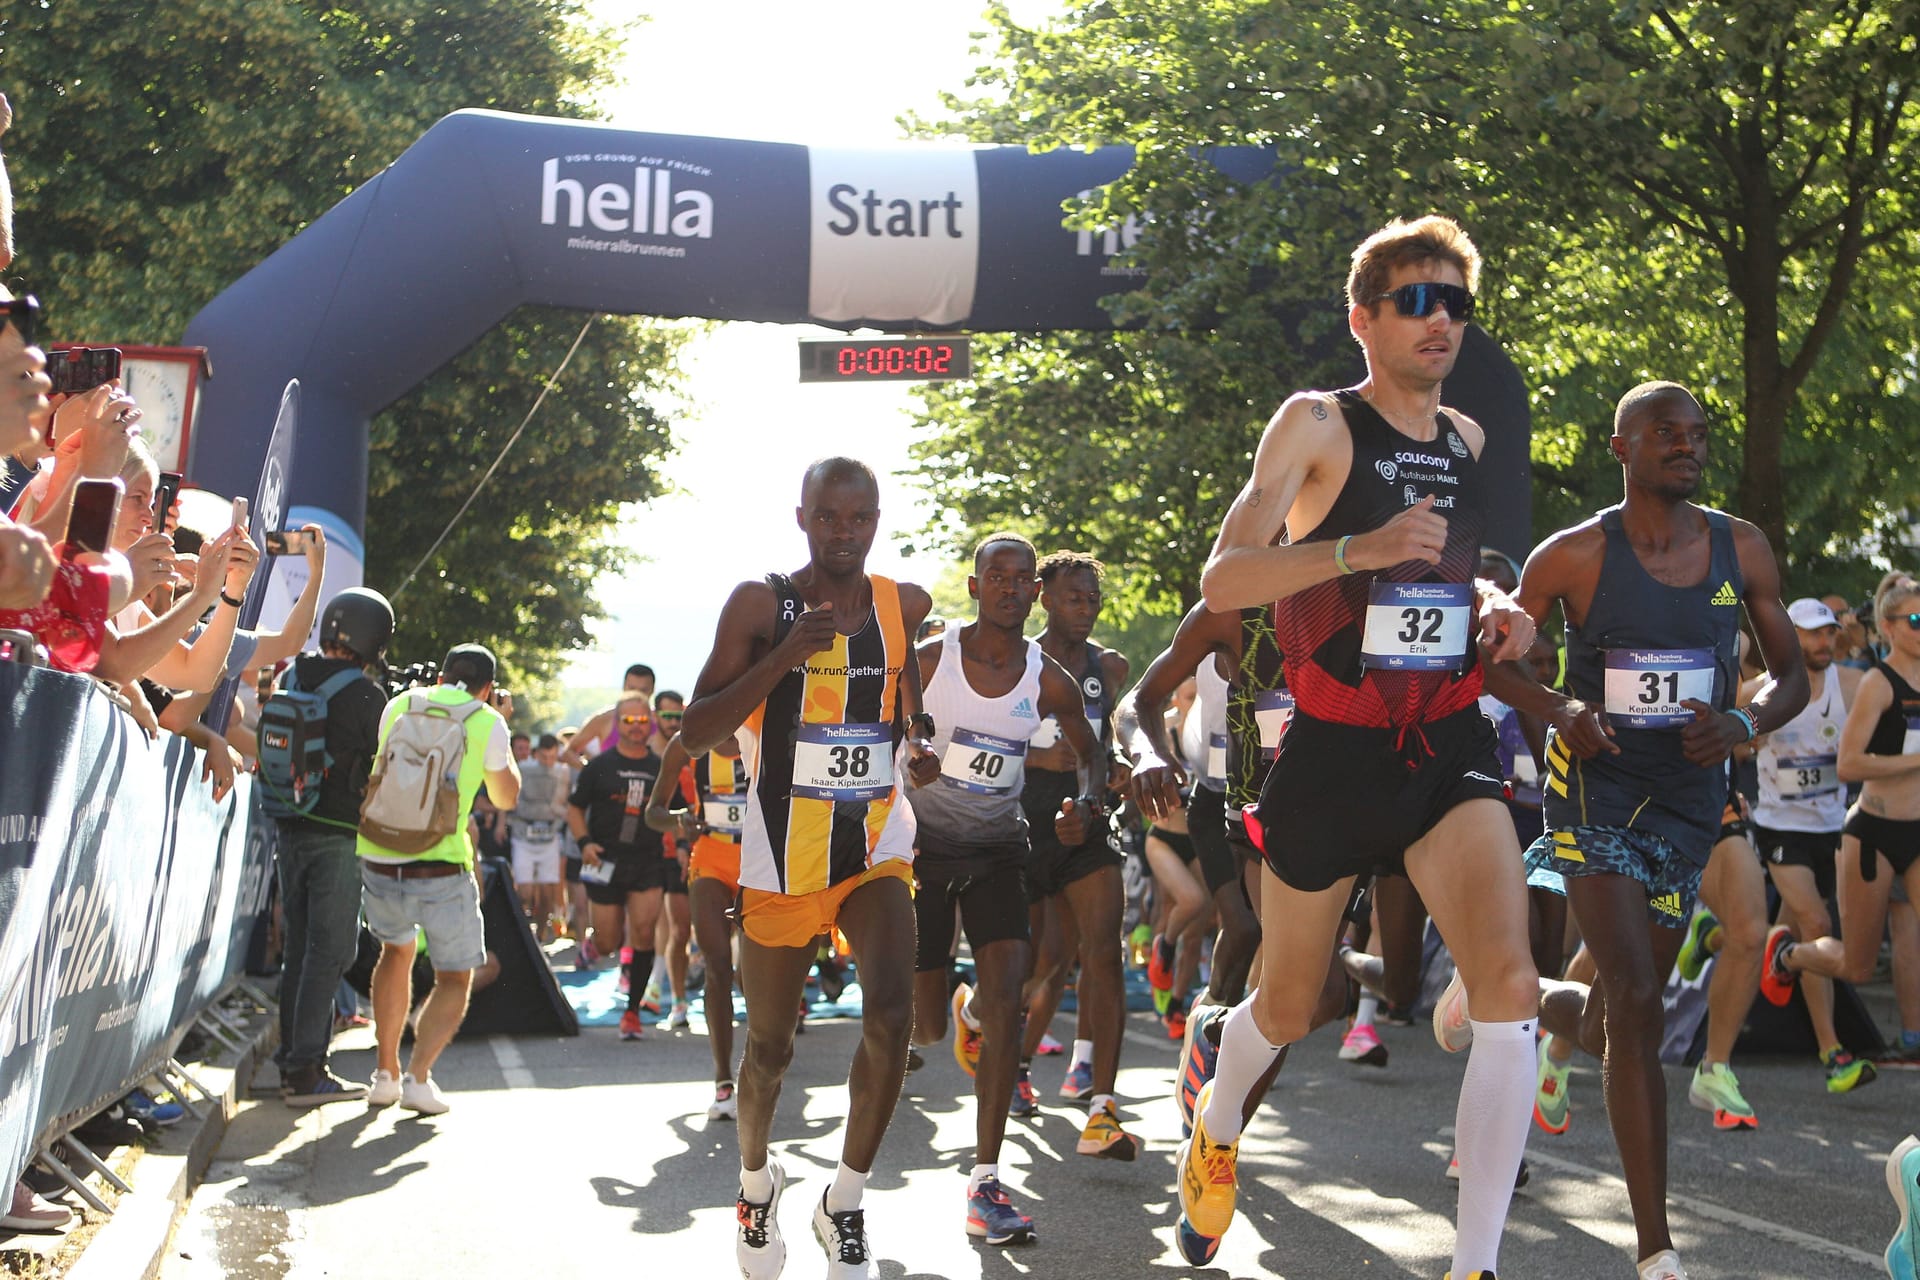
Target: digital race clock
885, 360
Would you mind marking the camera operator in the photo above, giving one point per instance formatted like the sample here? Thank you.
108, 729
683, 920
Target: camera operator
319, 872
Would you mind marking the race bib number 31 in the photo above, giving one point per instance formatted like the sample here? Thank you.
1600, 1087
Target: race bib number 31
843, 762
1272, 713
1647, 687
1417, 626
983, 763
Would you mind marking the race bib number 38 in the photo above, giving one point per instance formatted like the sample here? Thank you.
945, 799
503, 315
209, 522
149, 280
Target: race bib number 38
983, 763
1417, 626
1647, 687
843, 762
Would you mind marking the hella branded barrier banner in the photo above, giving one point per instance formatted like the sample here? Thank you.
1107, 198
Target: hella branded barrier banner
126, 900
488, 211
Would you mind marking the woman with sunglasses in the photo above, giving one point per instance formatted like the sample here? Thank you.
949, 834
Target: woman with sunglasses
1879, 748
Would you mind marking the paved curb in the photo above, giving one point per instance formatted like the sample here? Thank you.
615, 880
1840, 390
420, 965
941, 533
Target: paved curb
133, 1242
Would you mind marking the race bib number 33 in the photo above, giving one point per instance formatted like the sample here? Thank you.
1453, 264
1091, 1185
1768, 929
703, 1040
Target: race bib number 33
843, 762
983, 763
1647, 687
1417, 626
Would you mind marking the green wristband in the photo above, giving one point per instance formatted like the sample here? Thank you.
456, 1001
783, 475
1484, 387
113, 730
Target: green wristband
1340, 554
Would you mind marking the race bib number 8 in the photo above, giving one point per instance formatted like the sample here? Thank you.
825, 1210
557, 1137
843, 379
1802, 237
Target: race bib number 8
843, 762
725, 815
1646, 687
1802, 777
1272, 713
1417, 626
982, 763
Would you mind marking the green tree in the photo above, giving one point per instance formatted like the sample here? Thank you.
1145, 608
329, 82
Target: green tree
161, 150
1694, 191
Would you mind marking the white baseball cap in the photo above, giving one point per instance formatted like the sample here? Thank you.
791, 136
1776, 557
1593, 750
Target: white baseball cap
1809, 614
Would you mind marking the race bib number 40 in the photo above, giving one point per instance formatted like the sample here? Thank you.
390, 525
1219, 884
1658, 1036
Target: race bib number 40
725, 815
1417, 626
1272, 713
843, 762
1647, 687
983, 763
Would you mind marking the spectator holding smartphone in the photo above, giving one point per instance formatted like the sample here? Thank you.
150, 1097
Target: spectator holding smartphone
26, 559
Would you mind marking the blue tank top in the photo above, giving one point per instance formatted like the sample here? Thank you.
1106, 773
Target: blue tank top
1644, 648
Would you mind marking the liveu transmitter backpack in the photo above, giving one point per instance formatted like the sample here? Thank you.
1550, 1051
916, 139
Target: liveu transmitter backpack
293, 744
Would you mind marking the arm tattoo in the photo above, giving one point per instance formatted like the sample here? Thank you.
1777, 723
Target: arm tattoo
1319, 410
1253, 497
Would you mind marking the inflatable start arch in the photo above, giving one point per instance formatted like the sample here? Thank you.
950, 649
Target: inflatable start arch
488, 211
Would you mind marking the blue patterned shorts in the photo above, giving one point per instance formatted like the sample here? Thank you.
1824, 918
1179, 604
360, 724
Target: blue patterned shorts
1671, 879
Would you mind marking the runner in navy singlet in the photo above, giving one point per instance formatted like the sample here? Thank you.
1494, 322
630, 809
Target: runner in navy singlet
1388, 763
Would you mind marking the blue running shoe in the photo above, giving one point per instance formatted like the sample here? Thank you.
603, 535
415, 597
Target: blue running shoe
1197, 1249
1023, 1103
992, 1217
143, 1107
1197, 1059
1903, 1180
1079, 1082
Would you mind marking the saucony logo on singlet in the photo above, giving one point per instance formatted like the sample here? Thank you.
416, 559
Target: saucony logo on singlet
1481, 777
1725, 595
1023, 709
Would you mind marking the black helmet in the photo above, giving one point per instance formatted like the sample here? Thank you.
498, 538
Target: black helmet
360, 621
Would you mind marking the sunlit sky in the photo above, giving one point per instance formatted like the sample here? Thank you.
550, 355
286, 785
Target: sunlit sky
838, 74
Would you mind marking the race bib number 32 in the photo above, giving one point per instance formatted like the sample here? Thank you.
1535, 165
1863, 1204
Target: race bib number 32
1647, 687
843, 762
983, 763
1417, 626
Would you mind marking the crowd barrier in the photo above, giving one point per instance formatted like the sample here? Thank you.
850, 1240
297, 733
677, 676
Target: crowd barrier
127, 898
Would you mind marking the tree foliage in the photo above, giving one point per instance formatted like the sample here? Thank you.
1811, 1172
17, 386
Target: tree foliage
1719, 194
161, 150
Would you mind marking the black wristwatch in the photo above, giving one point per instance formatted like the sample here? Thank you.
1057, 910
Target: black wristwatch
921, 719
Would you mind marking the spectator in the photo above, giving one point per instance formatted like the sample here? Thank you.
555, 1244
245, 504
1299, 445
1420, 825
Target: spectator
27, 562
598, 735
319, 874
431, 889
522, 748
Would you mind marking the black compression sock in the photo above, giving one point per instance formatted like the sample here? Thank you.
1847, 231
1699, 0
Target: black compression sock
639, 969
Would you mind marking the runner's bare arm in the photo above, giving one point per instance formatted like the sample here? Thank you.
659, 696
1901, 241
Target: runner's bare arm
1551, 575
745, 664
923, 769
915, 604
1246, 568
658, 816
1060, 698
1713, 735
1156, 781
1863, 713
592, 731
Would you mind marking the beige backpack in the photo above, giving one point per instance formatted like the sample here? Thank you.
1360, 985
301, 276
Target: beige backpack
413, 797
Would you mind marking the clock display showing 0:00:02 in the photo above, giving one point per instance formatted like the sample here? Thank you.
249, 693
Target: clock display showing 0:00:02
851, 361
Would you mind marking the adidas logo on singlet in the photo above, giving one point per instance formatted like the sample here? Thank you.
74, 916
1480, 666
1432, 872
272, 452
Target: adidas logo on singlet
1023, 709
1725, 595
1667, 904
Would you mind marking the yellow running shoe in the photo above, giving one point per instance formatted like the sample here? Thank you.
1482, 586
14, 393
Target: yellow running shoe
1208, 1175
966, 1039
1103, 1135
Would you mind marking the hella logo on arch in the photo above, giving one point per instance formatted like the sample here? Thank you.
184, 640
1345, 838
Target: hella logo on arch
650, 203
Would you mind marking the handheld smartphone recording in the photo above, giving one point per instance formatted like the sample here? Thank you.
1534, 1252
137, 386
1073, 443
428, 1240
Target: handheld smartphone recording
288, 542
96, 508
163, 497
239, 513
80, 369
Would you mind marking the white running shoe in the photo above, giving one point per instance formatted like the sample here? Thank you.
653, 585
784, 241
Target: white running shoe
723, 1106
1450, 1025
844, 1237
758, 1246
385, 1089
677, 1020
1664, 1265
423, 1096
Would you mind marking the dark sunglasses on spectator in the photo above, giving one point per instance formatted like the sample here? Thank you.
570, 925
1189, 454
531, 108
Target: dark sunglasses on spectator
1913, 620
673, 715
1425, 298
636, 719
23, 313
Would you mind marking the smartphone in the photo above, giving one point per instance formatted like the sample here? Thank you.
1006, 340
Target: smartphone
96, 508
163, 497
80, 369
239, 513
289, 542
600, 872
20, 647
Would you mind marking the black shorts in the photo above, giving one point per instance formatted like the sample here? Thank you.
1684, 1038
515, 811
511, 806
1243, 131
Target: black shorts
1896, 840
1207, 822
1053, 866
1179, 841
990, 891
630, 875
676, 881
1344, 800
1811, 849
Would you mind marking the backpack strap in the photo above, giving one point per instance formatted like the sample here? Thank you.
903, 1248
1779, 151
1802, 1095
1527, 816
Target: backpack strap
337, 681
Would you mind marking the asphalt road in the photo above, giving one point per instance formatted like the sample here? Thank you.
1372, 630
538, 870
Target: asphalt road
589, 1157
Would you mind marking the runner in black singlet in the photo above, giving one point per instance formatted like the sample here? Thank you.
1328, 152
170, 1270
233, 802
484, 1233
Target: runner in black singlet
1637, 756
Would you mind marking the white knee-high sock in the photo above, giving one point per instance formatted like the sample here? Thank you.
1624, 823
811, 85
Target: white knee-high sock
1490, 1135
1245, 1056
